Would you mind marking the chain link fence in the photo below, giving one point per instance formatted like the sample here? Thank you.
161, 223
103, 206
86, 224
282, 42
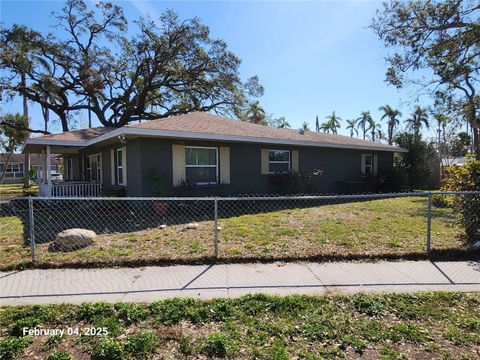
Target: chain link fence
142, 231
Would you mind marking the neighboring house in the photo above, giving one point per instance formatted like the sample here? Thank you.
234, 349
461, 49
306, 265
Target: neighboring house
16, 168
209, 154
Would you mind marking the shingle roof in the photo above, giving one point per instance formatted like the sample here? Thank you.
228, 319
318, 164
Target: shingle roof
204, 125
77, 135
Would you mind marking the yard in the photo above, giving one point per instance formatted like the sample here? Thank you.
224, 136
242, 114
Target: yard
7, 190
133, 235
401, 326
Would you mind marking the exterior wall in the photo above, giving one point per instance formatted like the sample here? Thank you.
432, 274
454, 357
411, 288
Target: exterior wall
340, 167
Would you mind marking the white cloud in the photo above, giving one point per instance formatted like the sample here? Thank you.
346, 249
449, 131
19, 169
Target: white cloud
146, 9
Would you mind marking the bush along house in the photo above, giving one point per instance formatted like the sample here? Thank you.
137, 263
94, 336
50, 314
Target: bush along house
202, 154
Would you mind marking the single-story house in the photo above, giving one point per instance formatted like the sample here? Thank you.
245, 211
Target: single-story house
205, 154
16, 166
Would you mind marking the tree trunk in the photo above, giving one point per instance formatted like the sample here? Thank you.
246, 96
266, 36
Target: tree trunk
63, 120
10, 153
46, 117
26, 165
23, 81
472, 119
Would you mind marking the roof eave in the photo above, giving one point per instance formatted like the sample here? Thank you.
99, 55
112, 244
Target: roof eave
208, 136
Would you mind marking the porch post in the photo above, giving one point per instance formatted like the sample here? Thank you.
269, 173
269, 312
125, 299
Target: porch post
26, 171
48, 177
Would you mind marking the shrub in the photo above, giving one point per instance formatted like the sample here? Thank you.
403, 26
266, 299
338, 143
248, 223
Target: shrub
442, 201
58, 355
13, 346
89, 312
466, 178
218, 345
171, 311
112, 324
317, 329
131, 313
54, 340
366, 305
28, 322
108, 350
296, 182
142, 343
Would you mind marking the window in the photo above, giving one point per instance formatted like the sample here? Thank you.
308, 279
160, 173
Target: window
119, 162
367, 165
278, 161
201, 165
69, 169
94, 168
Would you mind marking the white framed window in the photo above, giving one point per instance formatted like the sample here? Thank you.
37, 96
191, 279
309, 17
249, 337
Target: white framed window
278, 161
94, 167
119, 166
201, 165
367, 165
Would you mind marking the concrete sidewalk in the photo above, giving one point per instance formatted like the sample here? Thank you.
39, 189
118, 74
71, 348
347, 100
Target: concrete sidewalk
232, 280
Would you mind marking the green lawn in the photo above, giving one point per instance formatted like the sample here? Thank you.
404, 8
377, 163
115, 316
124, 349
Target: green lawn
401, 326
375, 228
7, 190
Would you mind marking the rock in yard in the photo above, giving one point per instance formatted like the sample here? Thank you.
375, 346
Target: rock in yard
192, 226
72, 239
163, 226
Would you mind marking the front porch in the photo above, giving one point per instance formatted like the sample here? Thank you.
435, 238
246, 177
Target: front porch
70, 189
49, 187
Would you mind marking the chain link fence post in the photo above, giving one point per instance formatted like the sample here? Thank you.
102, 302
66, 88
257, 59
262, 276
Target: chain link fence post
429, 222
32, 227
216, 227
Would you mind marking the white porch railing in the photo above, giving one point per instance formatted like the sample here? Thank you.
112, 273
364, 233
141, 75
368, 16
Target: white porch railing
71, 189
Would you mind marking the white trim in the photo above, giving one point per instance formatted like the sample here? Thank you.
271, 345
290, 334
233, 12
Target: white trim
112, 166
364, 165
198, 166
88, 167
206, 136
119, 169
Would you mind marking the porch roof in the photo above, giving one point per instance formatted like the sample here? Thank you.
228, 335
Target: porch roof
204, 126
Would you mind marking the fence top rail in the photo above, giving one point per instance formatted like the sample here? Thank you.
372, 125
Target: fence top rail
246, 198
252, 198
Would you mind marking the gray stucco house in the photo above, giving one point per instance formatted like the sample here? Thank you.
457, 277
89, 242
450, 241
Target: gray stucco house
204, 154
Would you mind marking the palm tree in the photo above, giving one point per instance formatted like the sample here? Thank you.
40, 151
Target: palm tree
305, 126
256, 114
282, 123
418, 119
364, 120
374, 128
393, 121
333, 122
352, 126
325, 127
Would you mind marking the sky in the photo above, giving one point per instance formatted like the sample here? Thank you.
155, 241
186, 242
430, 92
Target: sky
311, 57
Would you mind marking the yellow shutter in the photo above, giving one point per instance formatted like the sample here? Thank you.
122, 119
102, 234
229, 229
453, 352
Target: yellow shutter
264, 166
295, 156
178, 164
112, 166
224, 165
124, 165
